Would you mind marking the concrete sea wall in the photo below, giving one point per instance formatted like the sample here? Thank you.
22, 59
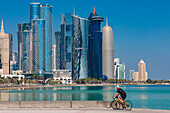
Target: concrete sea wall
54, 104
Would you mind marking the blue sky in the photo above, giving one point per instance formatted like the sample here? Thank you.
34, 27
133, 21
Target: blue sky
141, 27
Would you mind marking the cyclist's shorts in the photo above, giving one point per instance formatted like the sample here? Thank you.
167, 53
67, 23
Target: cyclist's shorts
123, 97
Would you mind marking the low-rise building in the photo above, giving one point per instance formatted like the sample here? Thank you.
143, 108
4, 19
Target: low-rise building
17, 72
63, 76
19, 77
135, 76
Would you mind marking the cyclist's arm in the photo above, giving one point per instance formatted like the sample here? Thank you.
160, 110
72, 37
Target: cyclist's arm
116, 95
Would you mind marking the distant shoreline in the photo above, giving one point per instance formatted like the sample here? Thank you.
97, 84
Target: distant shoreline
38, 86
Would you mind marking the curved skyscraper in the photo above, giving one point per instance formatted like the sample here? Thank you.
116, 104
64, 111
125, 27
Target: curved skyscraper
108, 52
79, 48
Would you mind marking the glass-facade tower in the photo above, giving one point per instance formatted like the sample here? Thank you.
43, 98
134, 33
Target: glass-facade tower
66, 41
58, 48
95, 46
38, 58
80, 48
21, 28
34, 12
26, 51
46, 14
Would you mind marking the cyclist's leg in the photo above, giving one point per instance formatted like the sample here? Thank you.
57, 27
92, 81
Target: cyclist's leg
120, 99
123, 99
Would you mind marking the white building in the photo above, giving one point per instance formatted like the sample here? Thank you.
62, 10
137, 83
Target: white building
63, 76
135, 76
119, 69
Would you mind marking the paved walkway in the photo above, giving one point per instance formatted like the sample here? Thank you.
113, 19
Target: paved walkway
82, 110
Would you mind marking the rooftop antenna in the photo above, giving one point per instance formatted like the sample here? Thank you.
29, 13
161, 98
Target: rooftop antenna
2, 27
74, 12
94, 10
106, 21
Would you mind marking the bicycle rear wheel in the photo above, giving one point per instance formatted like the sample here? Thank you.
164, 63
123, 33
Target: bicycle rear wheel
114, 105
128, 105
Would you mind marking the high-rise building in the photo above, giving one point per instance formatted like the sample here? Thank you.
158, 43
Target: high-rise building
4, 50
63, 43
10, 46
38, 45
119, 69
108, 52
35, 41
95, 46
135, 76
58, 48
66, 35
13, 63
26, 51
14, 56
23, 27
46, 14
131, 74
54, 58
79, 48
142, 74
34, 12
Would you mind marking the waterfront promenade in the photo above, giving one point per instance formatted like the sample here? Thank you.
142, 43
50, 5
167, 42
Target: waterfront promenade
78, 110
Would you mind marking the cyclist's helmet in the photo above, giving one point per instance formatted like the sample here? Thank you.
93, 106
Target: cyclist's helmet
117, 87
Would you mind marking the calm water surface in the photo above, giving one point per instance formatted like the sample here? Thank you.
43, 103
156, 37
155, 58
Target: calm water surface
142, 96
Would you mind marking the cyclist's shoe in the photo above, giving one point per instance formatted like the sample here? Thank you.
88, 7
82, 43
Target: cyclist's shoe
124, 106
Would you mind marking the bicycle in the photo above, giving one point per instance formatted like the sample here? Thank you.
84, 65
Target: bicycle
116, 104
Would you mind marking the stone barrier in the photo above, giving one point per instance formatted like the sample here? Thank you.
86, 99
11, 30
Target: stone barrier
54, 104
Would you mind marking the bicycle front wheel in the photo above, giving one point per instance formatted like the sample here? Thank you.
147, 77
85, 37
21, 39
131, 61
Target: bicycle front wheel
114, 105
128, 105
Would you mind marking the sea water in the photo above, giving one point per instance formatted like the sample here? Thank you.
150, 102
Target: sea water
142, 96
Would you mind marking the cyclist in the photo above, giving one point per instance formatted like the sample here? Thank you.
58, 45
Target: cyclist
122, 94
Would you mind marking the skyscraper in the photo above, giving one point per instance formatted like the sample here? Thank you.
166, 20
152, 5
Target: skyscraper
95, 46
58, 49
108, 52
143, 75
54, 58
34, 12
46, 14
26, 51
13, 63
38, 41
131, 74
63, 43
4, 50
136, 76
80, 48
66, 41
23, 28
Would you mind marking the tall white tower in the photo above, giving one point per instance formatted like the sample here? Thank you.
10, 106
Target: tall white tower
143, 75
108, 51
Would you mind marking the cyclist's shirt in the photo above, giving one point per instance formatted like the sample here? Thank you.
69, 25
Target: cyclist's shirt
121, 92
